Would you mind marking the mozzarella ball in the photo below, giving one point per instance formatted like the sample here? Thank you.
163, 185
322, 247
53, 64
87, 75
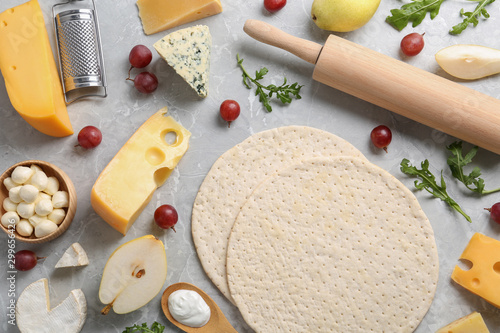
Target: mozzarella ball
28, 193
45, 228
24, 228
21, 174
9, 205
10, 218
9, 183
57, 215
39, 180
35, 168
52, 185
41, 196
26, 210
60, 199
14, 194
44, 207
36, 219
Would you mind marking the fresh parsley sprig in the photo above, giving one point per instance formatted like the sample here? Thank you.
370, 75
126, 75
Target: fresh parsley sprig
457, 162
417, 10
155, 328
428, 183
471, 17
282, 92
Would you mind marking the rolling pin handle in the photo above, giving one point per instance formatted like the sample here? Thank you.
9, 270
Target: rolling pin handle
266, 33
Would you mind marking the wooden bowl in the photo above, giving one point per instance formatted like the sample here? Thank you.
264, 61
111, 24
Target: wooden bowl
65, 184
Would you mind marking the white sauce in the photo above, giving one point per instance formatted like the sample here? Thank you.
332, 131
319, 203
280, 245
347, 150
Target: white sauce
188, 308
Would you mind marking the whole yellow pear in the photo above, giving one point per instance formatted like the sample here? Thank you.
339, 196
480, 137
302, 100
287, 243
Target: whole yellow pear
343, 15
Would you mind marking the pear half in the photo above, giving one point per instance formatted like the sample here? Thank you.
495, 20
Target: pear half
469, 62
134, 275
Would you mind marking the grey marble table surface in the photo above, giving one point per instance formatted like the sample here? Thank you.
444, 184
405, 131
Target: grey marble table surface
125, 109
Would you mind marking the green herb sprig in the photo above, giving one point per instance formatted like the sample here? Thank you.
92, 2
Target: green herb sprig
417, 10
428, 183
471, 17
155, 328
457, 162
414, 12
282, 92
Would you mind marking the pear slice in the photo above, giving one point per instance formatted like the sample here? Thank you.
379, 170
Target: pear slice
134, 274
469, 62
33, 312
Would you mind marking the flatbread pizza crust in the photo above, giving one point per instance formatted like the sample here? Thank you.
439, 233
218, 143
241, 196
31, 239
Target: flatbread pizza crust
237, 173
332, 245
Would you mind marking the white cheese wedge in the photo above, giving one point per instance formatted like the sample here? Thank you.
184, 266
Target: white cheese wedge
188, 52
33, 311
74, 256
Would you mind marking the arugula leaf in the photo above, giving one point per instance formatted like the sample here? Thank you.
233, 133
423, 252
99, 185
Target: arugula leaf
282, 92
472, 17
413, 12
428, 183
155, 328
457, 162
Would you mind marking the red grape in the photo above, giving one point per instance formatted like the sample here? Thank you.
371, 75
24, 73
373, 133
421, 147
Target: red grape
166, 216
146, 82
495, 212
274, 5
381, 137
140, 56
229, 111
89, 137
25, 260
412, 44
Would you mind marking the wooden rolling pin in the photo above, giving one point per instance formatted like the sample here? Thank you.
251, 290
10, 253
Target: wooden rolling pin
394, 85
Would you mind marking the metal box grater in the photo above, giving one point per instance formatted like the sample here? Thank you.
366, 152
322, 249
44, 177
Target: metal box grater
81, 62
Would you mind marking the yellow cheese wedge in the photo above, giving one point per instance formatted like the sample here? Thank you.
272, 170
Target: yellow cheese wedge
30, 72
143, 164
159, 15
483, 279
472, 323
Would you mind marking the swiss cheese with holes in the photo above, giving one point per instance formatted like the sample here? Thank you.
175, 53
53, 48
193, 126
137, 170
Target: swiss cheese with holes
483, 279
143, 164
332, 244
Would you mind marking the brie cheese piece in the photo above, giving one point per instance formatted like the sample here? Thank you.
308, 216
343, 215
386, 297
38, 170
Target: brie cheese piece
74, 256
33, 311
188, 52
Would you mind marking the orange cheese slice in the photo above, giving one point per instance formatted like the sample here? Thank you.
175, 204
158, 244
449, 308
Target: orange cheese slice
143, 164
483, 279
472, 323
30, 72
159, 15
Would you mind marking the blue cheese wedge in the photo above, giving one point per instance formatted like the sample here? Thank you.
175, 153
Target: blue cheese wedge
188, 52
